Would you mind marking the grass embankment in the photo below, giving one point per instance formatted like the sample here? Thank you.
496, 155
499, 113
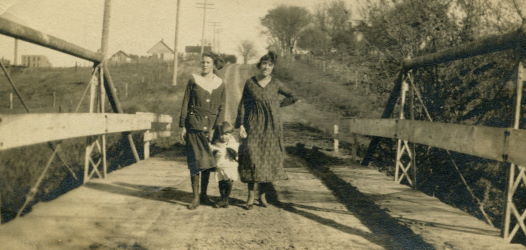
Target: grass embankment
336, 95
140, 88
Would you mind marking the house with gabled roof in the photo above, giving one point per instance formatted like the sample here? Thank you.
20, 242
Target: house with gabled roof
161, 51
120, 57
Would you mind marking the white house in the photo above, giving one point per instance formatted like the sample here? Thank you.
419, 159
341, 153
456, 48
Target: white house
161, 51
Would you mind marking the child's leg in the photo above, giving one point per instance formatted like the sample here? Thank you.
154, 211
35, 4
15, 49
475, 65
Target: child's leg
228, 189
222, 189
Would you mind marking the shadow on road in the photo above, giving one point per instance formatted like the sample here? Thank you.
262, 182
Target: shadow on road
165, 194
385, 230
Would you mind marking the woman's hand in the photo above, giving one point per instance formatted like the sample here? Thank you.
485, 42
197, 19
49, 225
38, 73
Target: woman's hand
242, 132
183, 134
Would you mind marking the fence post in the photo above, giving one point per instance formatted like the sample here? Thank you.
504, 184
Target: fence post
514, 171
126, 90
147, 144
11, 100
54, 99
336, 144
354, 147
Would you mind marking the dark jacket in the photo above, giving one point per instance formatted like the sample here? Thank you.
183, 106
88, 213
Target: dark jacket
202, 110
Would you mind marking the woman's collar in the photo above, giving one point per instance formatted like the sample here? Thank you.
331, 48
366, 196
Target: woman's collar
208, 84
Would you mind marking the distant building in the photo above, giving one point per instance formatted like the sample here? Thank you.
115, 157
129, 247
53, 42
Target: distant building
6, 62
161, 51
195, 50
35, 61
120, 58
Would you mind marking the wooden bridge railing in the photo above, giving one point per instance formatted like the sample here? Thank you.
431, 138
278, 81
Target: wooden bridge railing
501, 144
18, 130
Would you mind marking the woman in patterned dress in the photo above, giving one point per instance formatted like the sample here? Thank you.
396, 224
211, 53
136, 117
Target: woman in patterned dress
202, 111
261, 153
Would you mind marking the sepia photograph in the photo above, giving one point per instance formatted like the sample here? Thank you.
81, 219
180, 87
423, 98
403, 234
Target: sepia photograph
262, 124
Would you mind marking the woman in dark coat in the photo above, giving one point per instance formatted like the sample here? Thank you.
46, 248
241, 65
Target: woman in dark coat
261, 153
201, 112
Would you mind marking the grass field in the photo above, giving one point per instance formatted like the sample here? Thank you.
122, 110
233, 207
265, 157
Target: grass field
140, 88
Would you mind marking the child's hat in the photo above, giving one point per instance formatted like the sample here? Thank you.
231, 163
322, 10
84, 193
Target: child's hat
226, 128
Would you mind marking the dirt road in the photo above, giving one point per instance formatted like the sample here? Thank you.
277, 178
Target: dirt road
143, 206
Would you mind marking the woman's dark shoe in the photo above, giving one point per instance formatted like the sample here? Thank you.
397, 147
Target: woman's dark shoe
221, 204
205, 200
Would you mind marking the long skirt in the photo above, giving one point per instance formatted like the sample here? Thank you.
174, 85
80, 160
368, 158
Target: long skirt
198, 152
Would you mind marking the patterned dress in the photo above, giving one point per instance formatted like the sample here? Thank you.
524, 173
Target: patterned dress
202, 110
261, 154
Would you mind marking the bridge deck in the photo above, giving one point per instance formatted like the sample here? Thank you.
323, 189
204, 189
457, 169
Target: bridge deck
338, 207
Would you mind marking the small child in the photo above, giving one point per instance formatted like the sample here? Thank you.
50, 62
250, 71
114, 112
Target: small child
225, 147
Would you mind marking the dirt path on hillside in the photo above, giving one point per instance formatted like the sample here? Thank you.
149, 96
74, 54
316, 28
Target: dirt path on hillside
235, 77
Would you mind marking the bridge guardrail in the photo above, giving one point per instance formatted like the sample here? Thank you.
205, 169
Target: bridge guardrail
500, 144
18, 130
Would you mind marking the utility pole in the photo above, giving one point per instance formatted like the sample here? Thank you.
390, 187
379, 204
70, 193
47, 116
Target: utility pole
218, 39
205, 6
214, 32
15, 59
174, 77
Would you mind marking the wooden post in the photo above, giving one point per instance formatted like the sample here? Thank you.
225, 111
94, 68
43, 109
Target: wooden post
116, 106
147, 144
104, 50
54, 99
126, 90
15, 58
388, 111
355, 147
174, 76
336, 144
11, 100
512, 182
412, 117
402, 169
102, 102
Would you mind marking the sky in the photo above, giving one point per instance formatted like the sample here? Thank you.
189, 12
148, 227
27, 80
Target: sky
136, 25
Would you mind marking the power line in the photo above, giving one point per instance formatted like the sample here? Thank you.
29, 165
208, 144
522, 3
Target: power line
214, 32
205, 6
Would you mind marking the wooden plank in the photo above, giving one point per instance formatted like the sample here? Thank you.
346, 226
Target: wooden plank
517, 146
472, 140
501, 144
27, 129
159, 118
27, 34
486, 45
156, 134
373, 127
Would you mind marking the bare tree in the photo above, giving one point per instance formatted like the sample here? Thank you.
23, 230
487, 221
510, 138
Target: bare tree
247, 50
